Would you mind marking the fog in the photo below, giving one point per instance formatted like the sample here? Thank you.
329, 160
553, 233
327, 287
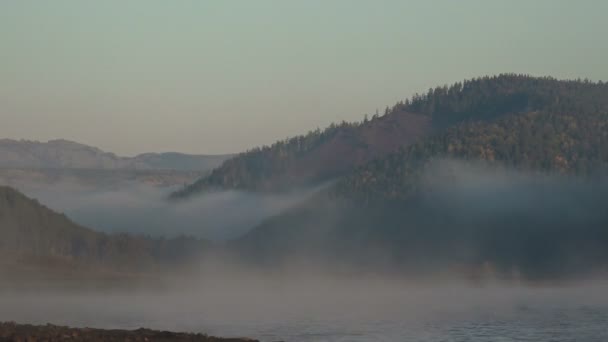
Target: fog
466, 217
143, 209
328, 309
480, 188
471, 219
504, 254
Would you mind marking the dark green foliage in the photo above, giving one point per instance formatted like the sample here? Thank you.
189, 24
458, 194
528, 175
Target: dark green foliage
561, 127
574, 144
490, 97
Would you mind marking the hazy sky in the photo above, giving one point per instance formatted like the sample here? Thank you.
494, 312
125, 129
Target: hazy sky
222, 76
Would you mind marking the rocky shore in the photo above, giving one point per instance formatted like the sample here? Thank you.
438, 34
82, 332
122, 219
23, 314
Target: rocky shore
11, 331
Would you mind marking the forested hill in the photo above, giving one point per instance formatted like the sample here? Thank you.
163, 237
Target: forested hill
488, 98
323, 155
316, 157
561, 127
520, 195
547, 142
33, 236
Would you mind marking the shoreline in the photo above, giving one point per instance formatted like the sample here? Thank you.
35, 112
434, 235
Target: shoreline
11, 331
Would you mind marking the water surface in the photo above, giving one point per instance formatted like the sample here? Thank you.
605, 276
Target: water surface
331, 311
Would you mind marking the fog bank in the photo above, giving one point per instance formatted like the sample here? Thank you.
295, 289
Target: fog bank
141, 209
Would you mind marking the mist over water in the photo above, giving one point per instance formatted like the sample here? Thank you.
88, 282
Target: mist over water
419, 196
467, 209
332, 309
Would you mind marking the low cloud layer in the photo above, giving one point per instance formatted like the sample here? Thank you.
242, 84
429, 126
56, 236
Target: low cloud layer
142, 209
468, 218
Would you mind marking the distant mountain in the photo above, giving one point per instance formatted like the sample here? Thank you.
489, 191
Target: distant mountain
29, 165
326, 155
64, 154
33, 236
92, 179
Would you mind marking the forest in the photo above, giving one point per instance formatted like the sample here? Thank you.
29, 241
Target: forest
524, 121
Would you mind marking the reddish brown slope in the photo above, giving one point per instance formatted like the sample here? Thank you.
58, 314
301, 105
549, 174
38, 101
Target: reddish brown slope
350, 148
316, 157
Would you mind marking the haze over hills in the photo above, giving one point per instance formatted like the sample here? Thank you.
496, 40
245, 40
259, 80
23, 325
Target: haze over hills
34, 236
33, 166
37, 238
385, 171
511, 184
459, 218
502, 175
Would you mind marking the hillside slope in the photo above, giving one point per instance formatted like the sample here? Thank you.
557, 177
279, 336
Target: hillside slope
519, 195
33, 235
314, 158
325, 155
574, 144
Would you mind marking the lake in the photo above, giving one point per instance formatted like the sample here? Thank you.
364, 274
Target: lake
332, 311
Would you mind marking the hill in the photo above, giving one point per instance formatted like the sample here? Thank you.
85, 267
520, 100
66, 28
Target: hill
313, 158
321, 156
33, 236
569, 143
31, 165
511, 186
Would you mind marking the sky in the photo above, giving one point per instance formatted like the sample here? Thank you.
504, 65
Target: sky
223, 76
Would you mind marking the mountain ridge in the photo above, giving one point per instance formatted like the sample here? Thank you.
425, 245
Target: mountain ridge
320, 156
66, 154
